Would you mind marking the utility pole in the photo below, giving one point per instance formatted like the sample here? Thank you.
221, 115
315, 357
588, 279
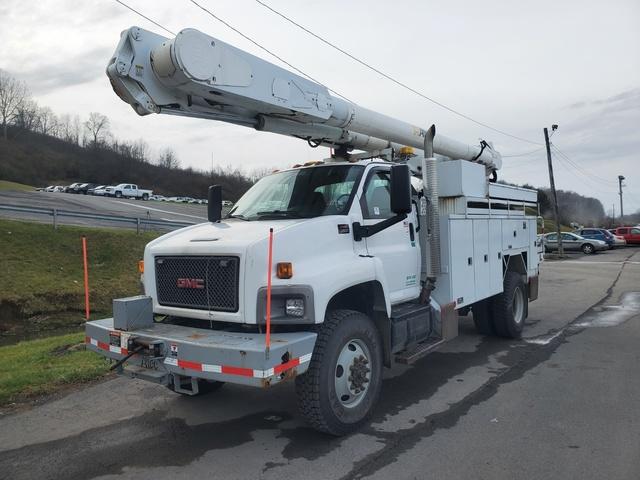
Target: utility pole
554, 195
613, 215
620, 179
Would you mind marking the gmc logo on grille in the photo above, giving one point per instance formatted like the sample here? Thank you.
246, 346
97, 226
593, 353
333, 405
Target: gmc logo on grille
197, 283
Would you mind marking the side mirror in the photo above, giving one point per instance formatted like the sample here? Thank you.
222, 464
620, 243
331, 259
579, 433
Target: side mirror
400, 189
214, 206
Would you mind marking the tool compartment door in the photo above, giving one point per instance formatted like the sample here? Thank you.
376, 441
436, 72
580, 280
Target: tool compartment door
482, 269
461, 255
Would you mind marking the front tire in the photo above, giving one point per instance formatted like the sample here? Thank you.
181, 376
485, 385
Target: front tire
118, 194
510, 307
338, 392
588, 249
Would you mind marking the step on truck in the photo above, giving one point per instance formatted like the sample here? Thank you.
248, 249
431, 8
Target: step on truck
324, 273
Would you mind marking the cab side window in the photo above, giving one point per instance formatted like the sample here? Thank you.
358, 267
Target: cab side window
376, 199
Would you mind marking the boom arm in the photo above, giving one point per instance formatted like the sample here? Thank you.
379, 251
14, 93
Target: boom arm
197, 75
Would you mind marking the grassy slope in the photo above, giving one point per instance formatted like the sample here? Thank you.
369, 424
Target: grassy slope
43, 366
13, 186
42, 267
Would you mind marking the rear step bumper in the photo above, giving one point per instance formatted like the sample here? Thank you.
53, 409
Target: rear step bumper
200, 353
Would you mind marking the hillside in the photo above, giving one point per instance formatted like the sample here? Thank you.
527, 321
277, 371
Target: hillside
32, 158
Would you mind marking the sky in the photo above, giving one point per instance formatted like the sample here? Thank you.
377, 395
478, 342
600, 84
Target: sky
516, 66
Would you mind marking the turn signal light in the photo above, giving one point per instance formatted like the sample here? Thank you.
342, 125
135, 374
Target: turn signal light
285, 270
406, 150
141, 266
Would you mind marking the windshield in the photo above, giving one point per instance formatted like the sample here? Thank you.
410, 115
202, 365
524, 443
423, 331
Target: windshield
300, 193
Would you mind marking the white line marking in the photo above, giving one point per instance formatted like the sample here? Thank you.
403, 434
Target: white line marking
544, 340
588, 262
158, 210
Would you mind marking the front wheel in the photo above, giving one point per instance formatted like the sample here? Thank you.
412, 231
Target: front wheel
338, 392
588, 249
118, 194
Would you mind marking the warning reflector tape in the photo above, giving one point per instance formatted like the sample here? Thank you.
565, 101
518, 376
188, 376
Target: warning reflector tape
205, 367
241, 371
106, 346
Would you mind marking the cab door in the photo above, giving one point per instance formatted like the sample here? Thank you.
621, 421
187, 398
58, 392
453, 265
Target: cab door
397, 247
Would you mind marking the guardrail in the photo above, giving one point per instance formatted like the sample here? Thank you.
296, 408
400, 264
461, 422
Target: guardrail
56, 213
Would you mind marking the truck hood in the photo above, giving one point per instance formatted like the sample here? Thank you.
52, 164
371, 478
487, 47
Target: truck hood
230, 236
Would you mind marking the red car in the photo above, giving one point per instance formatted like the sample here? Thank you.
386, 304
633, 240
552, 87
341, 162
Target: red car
630, 234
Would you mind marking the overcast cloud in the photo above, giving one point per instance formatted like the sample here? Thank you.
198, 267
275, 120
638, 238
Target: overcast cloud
514, 65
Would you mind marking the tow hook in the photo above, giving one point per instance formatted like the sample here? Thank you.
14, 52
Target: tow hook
135, 345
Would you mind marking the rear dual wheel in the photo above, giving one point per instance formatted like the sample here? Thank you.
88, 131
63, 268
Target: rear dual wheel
503, 314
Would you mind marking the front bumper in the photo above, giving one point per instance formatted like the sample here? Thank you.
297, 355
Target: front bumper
202, 353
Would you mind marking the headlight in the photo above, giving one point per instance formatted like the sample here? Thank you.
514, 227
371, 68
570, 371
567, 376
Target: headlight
294, 307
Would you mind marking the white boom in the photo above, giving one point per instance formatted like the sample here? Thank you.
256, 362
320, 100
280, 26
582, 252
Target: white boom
197, 75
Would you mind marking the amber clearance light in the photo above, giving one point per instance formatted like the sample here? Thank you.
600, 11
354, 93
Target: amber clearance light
141, 266
284, 270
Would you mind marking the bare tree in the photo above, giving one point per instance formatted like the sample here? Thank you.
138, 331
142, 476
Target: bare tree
76, 130
47, 121
13, 93
140, 151
97, 127
168, 159
257, 173
27, 117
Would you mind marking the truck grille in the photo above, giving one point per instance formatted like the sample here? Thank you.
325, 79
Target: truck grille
203, 283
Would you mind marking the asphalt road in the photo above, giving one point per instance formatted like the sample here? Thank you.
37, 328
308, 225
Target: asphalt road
180, 212
564, 402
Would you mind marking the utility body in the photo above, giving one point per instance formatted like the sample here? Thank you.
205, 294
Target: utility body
372, 254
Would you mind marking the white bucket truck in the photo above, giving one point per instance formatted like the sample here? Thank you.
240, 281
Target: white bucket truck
323, 273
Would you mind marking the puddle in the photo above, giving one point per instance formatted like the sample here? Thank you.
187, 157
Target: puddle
544, 339
612, 315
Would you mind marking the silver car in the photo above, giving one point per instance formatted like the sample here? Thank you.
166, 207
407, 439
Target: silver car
573, 242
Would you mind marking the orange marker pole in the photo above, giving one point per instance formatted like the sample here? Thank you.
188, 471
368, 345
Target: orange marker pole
269, 268
86, 277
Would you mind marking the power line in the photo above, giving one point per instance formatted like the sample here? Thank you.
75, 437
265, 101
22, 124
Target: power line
257, 44
580, 168
145, 17
523, 154
595, 185
392, 79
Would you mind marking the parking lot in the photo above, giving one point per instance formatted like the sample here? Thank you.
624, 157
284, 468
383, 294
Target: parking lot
169, 211
560, 403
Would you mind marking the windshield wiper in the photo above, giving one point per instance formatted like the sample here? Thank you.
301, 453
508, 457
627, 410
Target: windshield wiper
279, 214
241, 217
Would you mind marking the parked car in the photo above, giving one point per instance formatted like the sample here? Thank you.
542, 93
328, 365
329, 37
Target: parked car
630, 234
596, 234
128, 190
71, 188
100, 191
84, 188
618, 241
59, 189
227, 203
573, 242
50, 188
158, 198
92, 190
